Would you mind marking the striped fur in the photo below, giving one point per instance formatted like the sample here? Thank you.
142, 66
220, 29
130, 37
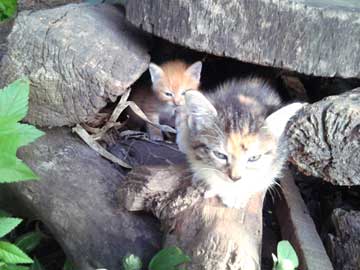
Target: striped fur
229, 140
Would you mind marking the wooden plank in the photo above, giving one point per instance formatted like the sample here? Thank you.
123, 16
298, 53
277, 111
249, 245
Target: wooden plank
298, 227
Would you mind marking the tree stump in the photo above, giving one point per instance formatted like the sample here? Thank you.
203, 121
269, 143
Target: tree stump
324, 139
213, 236
78, 57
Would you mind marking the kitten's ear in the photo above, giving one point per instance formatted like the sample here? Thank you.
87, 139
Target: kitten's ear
156, 73
199, 110
276, 122
194, 71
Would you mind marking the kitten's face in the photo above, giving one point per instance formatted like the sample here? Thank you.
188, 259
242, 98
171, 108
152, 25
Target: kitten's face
234, 145
172, 79
234, 156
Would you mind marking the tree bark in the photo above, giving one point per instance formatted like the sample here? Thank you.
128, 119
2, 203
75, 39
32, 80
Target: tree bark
78, 57
343, 244
283, 34
76, 199
324, 139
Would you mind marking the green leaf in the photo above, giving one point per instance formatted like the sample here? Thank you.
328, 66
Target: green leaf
14, 101
9, 253
132, 262
16, 135
168, 259
29, 241
7, 224
7, 8
14, 267
68, 265
286, 255
13, 169
36, 265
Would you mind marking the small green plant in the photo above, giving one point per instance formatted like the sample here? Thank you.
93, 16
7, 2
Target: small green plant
13, 108
286, 258
7, 9
131, 262
171, 258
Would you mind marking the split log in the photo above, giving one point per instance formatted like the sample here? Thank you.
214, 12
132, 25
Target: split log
43, 4
324, 139
213, 236
78, 57
284, 34
298, 227
76, 199
343, 244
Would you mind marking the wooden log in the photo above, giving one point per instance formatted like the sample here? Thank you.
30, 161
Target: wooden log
343, 242
298, 227
78, 57
76, 199
284, 34
324, 139
213, 236
36, 4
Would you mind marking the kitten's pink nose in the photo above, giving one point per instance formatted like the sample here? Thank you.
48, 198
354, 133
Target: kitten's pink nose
235, 177
177, 102
235, 174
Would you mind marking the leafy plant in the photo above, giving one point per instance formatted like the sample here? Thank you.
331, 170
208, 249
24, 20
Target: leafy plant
13, 108
286, 257
171, 258
7, 9
131, 262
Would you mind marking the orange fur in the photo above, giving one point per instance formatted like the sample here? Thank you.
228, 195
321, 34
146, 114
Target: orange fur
175, 80
154, 102
239, 143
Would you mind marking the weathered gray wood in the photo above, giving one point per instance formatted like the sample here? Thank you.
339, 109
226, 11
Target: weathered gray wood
312, 37
298, 227
215, 237
324, 139
78, 58
344, 244
42, 4
76, 199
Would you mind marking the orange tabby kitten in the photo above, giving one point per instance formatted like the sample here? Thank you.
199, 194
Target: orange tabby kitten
169, 83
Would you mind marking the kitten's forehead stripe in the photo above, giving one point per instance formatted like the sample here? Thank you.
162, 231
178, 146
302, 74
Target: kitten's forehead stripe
246, 100
238, 143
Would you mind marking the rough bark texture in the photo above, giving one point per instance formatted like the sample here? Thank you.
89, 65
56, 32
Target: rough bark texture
298, 227
43, 4
324, 139
78, 57
215, 237
344, 245
5, 29
312, 37
76, 199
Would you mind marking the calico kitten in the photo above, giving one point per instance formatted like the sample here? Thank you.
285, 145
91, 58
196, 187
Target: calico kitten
233, 138
169, 83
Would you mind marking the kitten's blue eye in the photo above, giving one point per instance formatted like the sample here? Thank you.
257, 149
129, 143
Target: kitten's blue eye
254, 158
220, 155
168, 94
